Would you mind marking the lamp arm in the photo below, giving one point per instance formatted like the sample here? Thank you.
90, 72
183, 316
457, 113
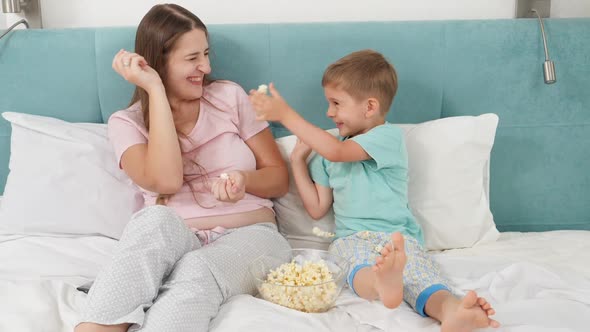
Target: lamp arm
542, 34
23, 21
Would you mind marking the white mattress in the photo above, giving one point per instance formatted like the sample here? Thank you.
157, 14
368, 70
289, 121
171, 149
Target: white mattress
536, 282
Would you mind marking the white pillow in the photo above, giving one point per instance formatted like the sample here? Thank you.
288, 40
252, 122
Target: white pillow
448, 168
447, 190
292, 218
64, 180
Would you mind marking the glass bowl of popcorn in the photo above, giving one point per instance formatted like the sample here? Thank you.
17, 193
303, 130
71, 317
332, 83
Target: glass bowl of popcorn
307, 280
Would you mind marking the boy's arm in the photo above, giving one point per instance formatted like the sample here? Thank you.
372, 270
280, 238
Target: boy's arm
317, 199
275, 108
321, 141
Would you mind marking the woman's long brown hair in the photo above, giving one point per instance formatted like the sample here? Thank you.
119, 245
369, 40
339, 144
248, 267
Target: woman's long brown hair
156, 35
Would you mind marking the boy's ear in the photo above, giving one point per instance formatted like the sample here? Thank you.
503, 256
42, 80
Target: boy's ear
372, 107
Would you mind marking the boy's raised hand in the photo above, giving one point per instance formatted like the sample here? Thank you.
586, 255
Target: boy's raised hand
269, 108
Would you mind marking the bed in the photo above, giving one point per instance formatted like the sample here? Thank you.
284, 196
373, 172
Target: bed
532, 287
529, 253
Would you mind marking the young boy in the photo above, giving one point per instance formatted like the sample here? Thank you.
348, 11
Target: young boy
364, 175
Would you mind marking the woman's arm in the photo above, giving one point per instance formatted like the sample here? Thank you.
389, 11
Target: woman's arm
271, 178
157, 165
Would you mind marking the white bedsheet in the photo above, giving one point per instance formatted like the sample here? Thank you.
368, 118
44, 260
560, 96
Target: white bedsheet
536, 282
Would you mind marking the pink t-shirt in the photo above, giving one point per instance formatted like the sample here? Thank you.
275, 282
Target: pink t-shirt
216, 143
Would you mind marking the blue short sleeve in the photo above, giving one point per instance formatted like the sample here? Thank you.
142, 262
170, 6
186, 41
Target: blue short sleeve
317, 171
384, 144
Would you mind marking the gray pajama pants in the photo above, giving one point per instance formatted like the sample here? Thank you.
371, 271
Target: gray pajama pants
161, 279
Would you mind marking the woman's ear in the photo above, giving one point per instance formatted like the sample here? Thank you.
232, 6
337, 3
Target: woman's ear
372, 107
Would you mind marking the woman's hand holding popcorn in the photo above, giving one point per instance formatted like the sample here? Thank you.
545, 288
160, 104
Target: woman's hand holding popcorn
230, 187
269, 108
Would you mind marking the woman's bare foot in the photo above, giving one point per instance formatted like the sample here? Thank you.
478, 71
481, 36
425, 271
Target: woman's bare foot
92, 327
469, 314
389, 269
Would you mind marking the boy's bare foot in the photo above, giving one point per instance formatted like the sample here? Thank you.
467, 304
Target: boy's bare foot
389, 269
471, 313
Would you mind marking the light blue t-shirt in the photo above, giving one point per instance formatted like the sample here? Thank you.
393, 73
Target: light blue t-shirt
371, 195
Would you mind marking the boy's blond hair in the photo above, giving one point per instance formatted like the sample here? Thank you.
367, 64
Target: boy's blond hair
364, 74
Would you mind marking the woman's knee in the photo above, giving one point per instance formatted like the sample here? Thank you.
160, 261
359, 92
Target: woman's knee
159, 224
274, 237
190, 268
155, 212
155, 216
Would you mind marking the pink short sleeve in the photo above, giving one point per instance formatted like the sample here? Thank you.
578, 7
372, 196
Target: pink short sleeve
125, 132
248, 125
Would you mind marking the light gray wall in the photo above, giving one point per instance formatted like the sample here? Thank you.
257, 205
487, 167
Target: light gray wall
82, 13
74, 13
570, 8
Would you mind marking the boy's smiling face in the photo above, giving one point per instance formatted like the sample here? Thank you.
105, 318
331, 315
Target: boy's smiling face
348, 113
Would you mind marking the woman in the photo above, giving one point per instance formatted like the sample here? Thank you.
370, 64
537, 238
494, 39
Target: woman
188, 251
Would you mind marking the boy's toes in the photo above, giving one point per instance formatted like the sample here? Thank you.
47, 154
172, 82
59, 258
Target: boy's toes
398, 241
387, 249
379, 260
469, 300
494, 323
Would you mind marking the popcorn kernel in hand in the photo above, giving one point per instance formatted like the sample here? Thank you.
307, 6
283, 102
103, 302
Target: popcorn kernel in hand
262, 88
224, 176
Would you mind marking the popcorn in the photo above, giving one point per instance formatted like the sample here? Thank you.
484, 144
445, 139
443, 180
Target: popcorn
224, 176
318, 232
263, 88
316, 294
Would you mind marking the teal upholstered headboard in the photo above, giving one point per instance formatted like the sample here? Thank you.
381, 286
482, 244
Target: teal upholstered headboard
540, 171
